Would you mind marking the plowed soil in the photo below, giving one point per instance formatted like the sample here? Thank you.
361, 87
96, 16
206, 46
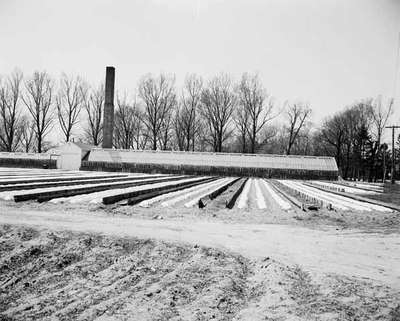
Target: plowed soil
61, 275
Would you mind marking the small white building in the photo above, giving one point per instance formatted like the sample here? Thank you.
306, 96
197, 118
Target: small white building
72, 154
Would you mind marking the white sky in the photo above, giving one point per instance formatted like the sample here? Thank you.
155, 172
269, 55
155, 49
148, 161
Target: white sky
327, 52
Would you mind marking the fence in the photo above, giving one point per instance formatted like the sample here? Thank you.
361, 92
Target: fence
28, 160
28, 163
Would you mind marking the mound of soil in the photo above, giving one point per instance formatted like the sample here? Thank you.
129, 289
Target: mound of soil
69, 276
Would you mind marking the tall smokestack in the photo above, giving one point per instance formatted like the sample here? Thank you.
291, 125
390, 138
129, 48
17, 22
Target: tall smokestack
108, 118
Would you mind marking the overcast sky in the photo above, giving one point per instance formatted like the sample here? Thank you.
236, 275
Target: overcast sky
327, 52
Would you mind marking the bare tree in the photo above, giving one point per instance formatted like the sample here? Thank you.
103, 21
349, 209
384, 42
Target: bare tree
38, 100
159, 98
257, 107
127, 123
241, 119
298, 114
191, 101
179, 126
346, 136
333, 134
380, 115
10, 112
166, 133
267, 134
303, 142
93, 103
140, 135
69, 102
28, 134
186, 122
276, 139
218, 105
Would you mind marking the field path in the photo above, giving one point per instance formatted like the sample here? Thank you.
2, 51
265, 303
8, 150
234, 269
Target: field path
363, 255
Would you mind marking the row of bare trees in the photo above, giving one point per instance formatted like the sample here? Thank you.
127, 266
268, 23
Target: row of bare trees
32, 108
217, 114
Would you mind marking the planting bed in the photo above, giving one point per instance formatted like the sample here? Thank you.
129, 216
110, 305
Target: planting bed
332, 200
107, 246
162, 190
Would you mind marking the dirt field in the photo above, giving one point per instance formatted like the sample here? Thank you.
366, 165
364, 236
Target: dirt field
74, 258
64, 275
105, 263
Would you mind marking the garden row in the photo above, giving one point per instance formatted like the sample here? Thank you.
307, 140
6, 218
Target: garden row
151, 190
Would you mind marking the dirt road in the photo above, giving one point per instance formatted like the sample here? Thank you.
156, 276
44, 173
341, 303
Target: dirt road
351, 253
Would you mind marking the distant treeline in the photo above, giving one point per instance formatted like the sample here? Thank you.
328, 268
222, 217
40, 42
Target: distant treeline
217, 114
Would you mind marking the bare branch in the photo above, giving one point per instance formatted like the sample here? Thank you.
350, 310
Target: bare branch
159, 98
298, 114
10, 112
93, 102
218, 104
69, 102
39, 101
186, 122
256, 108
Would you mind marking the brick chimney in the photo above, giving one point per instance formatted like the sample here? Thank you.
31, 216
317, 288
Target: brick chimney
108, 117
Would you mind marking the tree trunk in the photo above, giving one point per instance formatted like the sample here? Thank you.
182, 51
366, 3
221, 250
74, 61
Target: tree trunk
253, 139
154, 141
39, 144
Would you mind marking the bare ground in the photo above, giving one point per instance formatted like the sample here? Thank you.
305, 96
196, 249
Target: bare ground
129, 263
64, 275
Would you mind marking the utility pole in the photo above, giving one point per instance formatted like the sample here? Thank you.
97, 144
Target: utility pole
384, 148
396, 74
393, 152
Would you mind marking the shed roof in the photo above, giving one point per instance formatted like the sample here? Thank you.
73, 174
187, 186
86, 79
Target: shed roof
83, 146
